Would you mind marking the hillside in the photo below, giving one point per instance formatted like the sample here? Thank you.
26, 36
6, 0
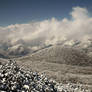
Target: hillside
62, 64
61, 55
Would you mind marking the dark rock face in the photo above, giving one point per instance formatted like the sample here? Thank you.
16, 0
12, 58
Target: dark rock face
15, 79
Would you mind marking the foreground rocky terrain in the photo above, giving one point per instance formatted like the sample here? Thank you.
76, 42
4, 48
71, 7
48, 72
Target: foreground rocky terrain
67, 65
15, 79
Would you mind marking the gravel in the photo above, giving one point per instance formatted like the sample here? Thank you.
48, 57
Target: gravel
15, 79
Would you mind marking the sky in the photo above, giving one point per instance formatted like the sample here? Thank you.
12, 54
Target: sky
33, 24
25, 11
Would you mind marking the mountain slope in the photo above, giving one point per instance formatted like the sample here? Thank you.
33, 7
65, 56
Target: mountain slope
61, 55
61, 63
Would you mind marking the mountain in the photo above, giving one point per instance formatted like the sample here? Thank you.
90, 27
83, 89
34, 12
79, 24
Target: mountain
67, 61
19, 49
3, 54
61, 63
62, 55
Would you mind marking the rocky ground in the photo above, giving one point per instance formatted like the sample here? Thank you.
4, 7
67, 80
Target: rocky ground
15, 79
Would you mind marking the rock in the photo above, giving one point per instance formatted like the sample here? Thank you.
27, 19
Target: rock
15, 79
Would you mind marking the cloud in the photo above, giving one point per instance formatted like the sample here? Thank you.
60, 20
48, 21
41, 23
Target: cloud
79, 13
51, 31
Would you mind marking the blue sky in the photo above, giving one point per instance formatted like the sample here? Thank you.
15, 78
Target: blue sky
24, 11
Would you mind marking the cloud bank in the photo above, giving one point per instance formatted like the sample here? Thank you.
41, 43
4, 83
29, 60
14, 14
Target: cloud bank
35, 35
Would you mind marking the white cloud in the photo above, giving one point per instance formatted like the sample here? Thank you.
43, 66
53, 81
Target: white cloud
49, 31
79, 13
